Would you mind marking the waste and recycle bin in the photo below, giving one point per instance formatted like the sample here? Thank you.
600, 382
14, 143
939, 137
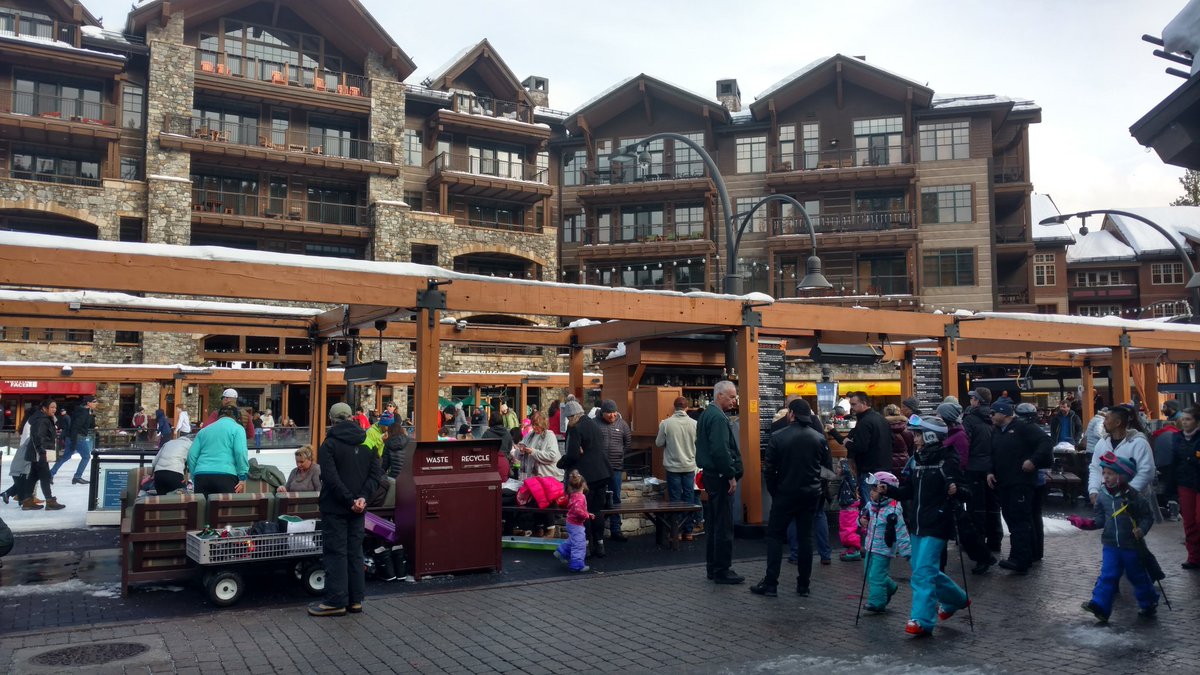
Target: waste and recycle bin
448, 506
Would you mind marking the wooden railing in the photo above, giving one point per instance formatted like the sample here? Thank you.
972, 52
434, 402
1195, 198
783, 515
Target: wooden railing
284, 74
57, 107
260, 134
867, 221
257, 206
841, 158
484, 166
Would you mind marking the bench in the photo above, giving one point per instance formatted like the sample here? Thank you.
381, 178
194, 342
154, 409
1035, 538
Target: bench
1066, 482
668, 517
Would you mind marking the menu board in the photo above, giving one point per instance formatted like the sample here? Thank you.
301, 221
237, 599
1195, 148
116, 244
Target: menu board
114, 480
772, 384
927, 378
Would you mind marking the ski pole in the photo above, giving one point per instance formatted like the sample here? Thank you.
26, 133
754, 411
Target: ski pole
963, 569
866, 566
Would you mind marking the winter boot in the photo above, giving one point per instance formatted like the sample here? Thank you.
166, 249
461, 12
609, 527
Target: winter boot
399, 562
383, 564
53, 505
29, 505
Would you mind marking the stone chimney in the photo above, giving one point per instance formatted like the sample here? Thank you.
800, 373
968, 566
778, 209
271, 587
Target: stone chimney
539, 89
730, 95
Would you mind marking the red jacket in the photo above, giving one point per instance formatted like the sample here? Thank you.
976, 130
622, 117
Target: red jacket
545, 490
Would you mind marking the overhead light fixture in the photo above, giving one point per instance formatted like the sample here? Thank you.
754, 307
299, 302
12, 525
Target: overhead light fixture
845, 354
813, 278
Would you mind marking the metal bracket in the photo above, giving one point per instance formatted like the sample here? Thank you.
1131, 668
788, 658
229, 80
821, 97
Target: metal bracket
952, 330
431, 299
751, 318
1126, 341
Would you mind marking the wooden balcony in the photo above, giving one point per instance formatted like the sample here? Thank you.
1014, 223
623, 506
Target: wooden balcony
490, 118
258, 143
1093, 293
247, 78
863, 230
484, 178
27, 117
690, 240
220, 211
647, 182
842, 167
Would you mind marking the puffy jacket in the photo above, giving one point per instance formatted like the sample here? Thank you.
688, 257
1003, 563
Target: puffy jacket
1162, 442
1094, 432
500, 431
877, 521
1012, 446
1118, 528
1058, 419
220, 448
617, 438
956, 439
393, 453
870, 443
933, 470
792, 464
545, 490
717, 451
1134, 446
349, 469
902, 442
585, 451
1186, 461
977, 420
42, 433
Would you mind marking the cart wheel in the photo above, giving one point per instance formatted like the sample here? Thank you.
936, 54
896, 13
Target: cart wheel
224, 588
298, 570
314, 578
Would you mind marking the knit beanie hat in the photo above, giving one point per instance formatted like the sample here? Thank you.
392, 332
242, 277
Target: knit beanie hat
950, 413
912, 403
1125, 467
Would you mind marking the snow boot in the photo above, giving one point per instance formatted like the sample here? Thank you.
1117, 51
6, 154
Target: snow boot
399, 562
53, 505
383, 564
28, 505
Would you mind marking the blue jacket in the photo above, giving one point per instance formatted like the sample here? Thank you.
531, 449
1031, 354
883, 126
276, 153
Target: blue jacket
220, 448
1117, 513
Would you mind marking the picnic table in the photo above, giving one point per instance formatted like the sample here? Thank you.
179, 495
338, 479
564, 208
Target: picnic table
668, 516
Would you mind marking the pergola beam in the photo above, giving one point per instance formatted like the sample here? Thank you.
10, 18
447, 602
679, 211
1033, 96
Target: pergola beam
628, 331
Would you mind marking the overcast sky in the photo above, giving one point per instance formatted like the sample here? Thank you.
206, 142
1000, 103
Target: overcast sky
1082, 61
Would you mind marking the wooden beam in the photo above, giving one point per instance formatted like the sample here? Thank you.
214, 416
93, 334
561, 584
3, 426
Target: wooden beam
998, 347
1150, 394
636, 378
317, 391
576, 373
425, 407
746, 364
629, 331
906, 376
837, 69
54, 314
1088, 402
1119, 378
949, 347
646, 102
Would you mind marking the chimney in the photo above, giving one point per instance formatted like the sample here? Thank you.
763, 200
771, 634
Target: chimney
539, 90
730, 95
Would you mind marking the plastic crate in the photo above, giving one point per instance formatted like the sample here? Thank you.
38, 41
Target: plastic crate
250, 548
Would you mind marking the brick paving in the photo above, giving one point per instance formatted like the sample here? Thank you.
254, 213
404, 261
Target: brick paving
669, 619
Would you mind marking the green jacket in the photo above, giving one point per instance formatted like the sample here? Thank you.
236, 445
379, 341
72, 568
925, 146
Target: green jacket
716, 447
511, 420
375, 439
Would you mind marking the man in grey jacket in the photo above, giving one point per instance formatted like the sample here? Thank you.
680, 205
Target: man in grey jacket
617, 437
677, 437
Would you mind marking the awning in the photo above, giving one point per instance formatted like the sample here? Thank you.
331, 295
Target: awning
872, 387
32, 387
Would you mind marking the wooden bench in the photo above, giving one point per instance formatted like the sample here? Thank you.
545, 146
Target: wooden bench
1068, 483
668, 517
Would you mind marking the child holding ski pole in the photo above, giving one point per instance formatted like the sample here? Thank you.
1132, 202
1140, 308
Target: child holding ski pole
1126, 516
887, 538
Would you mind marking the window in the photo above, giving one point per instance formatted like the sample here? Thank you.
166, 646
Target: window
1047, 309
425, 254
132, 229
127, 337
571, 228
131, 168
653, 167
641, 223
878, 141
497, 161
1044, 273
70, 170
415, 200
76, 100
1098, 278
603, 227
133, 101
742, 206
950, 267
1166, 274
226, 194
812, 144
689, 275
495, 215
878, 201
946, 140
946, 204
791, 222
787, 147
687, 160
1170, 308
752, 154
333, 205
689, 221
332, 251
649, 275
412, 147
281, 122
20, 22
574, 164
242, 127
1099, 310
334, 140
543, 167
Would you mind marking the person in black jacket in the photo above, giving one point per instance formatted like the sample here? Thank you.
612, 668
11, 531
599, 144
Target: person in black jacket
78, 439
792, 469
350, 473
394, 448
935, 481
41, 440
1065, 425
984, 506
870, 441
1019, 449
585, 452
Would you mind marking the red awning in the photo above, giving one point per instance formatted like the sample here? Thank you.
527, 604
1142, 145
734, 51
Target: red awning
33, 387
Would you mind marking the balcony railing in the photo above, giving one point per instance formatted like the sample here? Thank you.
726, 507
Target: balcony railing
618, 234
43, 177
617, 174
57, 107
1008, 170
1010, 234
257, 206
842, 158
284, 74
484, 166
262, 135
1111, 292
56, 30
475, 104
850, 286
1012, 295
832, 223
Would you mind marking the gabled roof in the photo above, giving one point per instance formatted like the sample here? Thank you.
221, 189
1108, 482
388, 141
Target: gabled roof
639, 90
72, 10
483, 59
826, 71
1182, 222
1042, 207
1100, 246
353, 30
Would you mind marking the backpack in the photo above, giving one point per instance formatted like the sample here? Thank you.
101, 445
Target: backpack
270, 475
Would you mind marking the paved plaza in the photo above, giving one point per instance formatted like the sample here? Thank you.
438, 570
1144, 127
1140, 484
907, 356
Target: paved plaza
643, 611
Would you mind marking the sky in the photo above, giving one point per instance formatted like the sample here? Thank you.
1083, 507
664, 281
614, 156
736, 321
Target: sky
1082, 61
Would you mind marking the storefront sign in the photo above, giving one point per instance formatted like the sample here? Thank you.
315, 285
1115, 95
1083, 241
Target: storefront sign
772, 386
927, 378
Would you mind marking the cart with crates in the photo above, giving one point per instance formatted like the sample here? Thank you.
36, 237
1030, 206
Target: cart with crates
224, 560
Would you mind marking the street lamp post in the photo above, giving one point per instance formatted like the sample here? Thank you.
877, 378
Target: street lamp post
732, 284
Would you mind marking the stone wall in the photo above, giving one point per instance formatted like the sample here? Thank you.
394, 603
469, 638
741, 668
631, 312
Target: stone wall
100, 206
168, 349
168, 172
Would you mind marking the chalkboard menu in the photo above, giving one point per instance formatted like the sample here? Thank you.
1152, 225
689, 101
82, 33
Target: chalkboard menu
114, 480
772, 383
927, 378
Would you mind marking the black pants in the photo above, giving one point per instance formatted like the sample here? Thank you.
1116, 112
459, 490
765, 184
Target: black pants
595, 504
985, 510
17, 489
168, 481
1038, 531
1016, 502
718, 516
786, 509
342, 544
214, 483
969, 539
38, 471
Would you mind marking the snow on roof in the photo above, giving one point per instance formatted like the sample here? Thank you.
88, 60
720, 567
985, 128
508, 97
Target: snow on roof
816, 64
551, 112
1042, 207
135, 302
592, 101
604, 94
1182, 34
1180, 221
1108, 321
1099, 246
404, 269
441, 70
57, 44
954, 101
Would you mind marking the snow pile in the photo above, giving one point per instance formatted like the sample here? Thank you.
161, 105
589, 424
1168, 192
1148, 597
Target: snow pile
125, 300
1099, 246
72, 586
1182, 34
618, 352
580, 323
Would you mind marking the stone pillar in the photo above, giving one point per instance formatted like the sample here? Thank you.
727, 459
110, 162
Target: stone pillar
108, 404
168, 172
386, 194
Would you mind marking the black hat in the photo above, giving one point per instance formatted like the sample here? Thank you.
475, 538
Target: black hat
608, 406
800, 408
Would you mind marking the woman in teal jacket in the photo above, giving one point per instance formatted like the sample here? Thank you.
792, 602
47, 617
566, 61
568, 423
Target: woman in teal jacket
218, 460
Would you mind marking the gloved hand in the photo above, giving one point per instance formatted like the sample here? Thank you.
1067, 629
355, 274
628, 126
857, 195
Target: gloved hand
1083, 523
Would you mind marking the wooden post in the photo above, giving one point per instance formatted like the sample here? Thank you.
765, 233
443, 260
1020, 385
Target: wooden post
429, 343
283, 404
1150, 396
317, 379
1118, 380
1089, 392
748, 424
576, 373
949, 347
522, 401
906, 375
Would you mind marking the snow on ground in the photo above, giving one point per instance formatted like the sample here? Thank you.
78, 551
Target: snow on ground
75, 497
71, 586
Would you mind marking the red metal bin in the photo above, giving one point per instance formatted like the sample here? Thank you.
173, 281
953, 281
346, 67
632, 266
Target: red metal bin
448, 506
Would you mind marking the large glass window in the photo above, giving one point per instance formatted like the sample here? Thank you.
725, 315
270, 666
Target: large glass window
77, 101
571, 225
496, 215
133, 103
743, 205
649, 165
574, 164
50, 167
812, 144
412, 147
689, 221
21, 22
640, 223
751, 154
950, 267
874, 201
689, 275
647, 275
234, 125
333, 140
1098, 278
787, 147
946, 204
1044, 269
497, 161
131, 168
334, 205
687, 161
945, 140
1099, 310
1166, 274
543, 167
225, 194
878, 141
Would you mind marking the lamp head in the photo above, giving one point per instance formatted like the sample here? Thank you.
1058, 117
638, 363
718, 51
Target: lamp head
813, 278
